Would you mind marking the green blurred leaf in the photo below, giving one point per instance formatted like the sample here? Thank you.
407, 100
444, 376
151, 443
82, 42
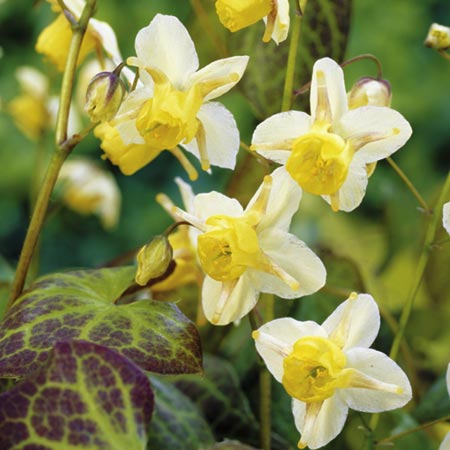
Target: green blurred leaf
81, 305
435, 403
230, 445
177, 422
84, 396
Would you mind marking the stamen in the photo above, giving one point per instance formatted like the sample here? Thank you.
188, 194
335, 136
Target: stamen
227, 289
272, 342
360, 140
185, 163
270, 25
201, 143
323, 107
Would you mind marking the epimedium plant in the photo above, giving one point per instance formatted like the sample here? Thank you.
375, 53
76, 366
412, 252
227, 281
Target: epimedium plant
95, 358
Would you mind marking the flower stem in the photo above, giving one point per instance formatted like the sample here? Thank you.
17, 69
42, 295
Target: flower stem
63, 148
292, 58
409, 185
423, 260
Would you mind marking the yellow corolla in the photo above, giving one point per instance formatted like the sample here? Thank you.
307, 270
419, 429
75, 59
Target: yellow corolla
54, 40
238, 14
329, 368
173, 104
245, 252
327, 153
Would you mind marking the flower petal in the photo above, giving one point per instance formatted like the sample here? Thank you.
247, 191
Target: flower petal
278, 133
221, 133
165, 44
281, 28
283, 202
334, 88
445, 444
355, 322
375, 121
275, 339
221, 68
108, 40
187, 194
295, 258
353, 190
328, 423
446, 217
240, 301
447, 378
214, 203
379, 366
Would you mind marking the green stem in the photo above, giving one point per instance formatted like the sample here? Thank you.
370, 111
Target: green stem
62, 150
423, 260
409, 185
292, 58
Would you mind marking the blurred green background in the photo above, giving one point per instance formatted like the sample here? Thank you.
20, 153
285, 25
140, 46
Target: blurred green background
374, 248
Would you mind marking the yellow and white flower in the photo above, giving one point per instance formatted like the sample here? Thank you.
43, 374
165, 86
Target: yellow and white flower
438, 37
55, 39
89, 190
329, 368
238, 14
173, 106
445, 444
245, 252
327, 152
446, 217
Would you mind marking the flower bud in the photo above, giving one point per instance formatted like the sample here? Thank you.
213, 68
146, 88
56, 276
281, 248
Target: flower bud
104, 96
369, 91
153, 259
438, 37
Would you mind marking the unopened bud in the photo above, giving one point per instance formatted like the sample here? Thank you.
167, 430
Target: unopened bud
104, 96
369, 92
438, 37
153, 259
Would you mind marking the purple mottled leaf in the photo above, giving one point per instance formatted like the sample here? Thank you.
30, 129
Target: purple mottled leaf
84, 396
81, 305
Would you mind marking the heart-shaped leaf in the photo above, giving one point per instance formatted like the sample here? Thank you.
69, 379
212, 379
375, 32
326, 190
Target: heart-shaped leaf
84, 396
81, 305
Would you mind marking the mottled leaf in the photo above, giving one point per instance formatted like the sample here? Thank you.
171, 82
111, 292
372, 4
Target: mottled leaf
84, 396
177, 423
81, 305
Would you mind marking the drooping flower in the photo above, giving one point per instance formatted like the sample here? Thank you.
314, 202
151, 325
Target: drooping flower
327, 152
89, 190
54, 40
445, 444
245, 252
369, 91
446, 217
329, 368
438, 37
173, 107
238, 14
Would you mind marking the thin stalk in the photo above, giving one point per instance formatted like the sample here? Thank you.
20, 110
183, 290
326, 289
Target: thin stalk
62, 150
423, 260
292, 58
409, 185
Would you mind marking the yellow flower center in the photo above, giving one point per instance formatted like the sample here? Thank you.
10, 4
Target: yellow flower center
228, 247
170, 116
314, 369
320, 160
237, 14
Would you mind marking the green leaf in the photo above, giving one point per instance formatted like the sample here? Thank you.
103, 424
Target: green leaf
81, 305
230, 445
85, 396
177, 422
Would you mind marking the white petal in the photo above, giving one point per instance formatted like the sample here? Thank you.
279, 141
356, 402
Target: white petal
218, 69
328, 424
352, 191
294, 257
165, 44
32, 82
357, 321
379, 366
221, 133
445, 444
335, 88
281, 28
279, 128
376, 120
446, 217
214, 203
275, 339
108, 39
242, 299
447, 378
187, 195
283, 202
